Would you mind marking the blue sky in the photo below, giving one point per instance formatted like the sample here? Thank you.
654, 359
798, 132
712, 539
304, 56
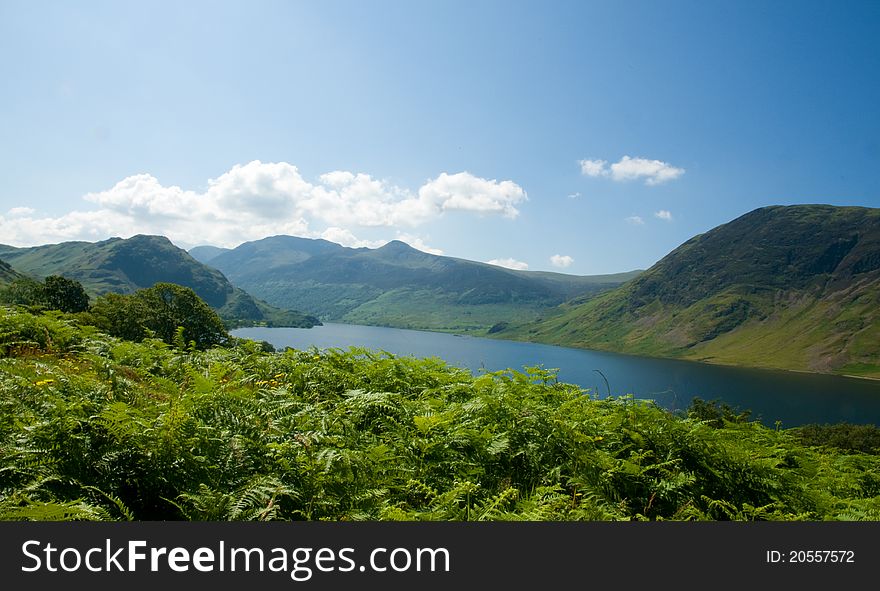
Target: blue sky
584, 137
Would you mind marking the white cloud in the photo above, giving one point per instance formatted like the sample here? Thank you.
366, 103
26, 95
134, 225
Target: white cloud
663, 214
593, 167
653, 172
261, 190
635, 220
561, 260
574, 195
76, 225
510, 264
260, 199
346, 238
464, 191
21, 211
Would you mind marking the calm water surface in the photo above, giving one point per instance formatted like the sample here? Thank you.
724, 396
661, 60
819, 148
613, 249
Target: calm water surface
790, 397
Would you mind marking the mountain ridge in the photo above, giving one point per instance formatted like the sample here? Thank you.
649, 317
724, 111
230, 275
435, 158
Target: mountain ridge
398, 285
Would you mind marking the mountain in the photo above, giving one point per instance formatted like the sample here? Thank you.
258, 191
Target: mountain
397, 285
204, 254
7, 273
794, 287
126, 265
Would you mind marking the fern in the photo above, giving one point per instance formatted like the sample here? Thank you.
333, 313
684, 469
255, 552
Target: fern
94, 427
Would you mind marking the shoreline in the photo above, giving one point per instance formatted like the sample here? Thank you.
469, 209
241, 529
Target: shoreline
499, 336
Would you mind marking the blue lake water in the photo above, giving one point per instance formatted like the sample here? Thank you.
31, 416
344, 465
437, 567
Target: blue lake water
790, 397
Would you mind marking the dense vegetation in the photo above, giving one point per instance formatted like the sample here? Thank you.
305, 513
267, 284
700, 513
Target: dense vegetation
124, 266
396, 285
95, 427
841, 436
786, 287
169, 312
53, 293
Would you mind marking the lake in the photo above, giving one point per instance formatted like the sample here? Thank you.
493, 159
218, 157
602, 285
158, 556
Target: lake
790, 397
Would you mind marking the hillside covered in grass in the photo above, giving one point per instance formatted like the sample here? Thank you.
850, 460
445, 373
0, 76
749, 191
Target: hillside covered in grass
93, 427
794, 287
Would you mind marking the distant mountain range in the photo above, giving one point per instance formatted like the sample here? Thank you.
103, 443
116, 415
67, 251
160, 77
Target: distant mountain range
125, 265
793, 287
396, 285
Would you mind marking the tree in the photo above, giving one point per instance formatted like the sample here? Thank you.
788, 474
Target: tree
23, 291
176, 306
54, 293
122, 316
67, 295
160, 310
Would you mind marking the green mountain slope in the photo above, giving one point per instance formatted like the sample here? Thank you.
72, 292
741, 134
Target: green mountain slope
397, 285
793, 287
125, 265
7, 273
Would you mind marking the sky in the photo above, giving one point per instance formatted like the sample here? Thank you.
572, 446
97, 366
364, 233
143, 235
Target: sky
581, 137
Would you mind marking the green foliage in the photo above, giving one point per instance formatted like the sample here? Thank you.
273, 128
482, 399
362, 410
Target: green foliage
66, 295
842, 436
23, 291
94, 427
715, 412
172, 313
175, 307
21, 332
123, 316
54, 293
